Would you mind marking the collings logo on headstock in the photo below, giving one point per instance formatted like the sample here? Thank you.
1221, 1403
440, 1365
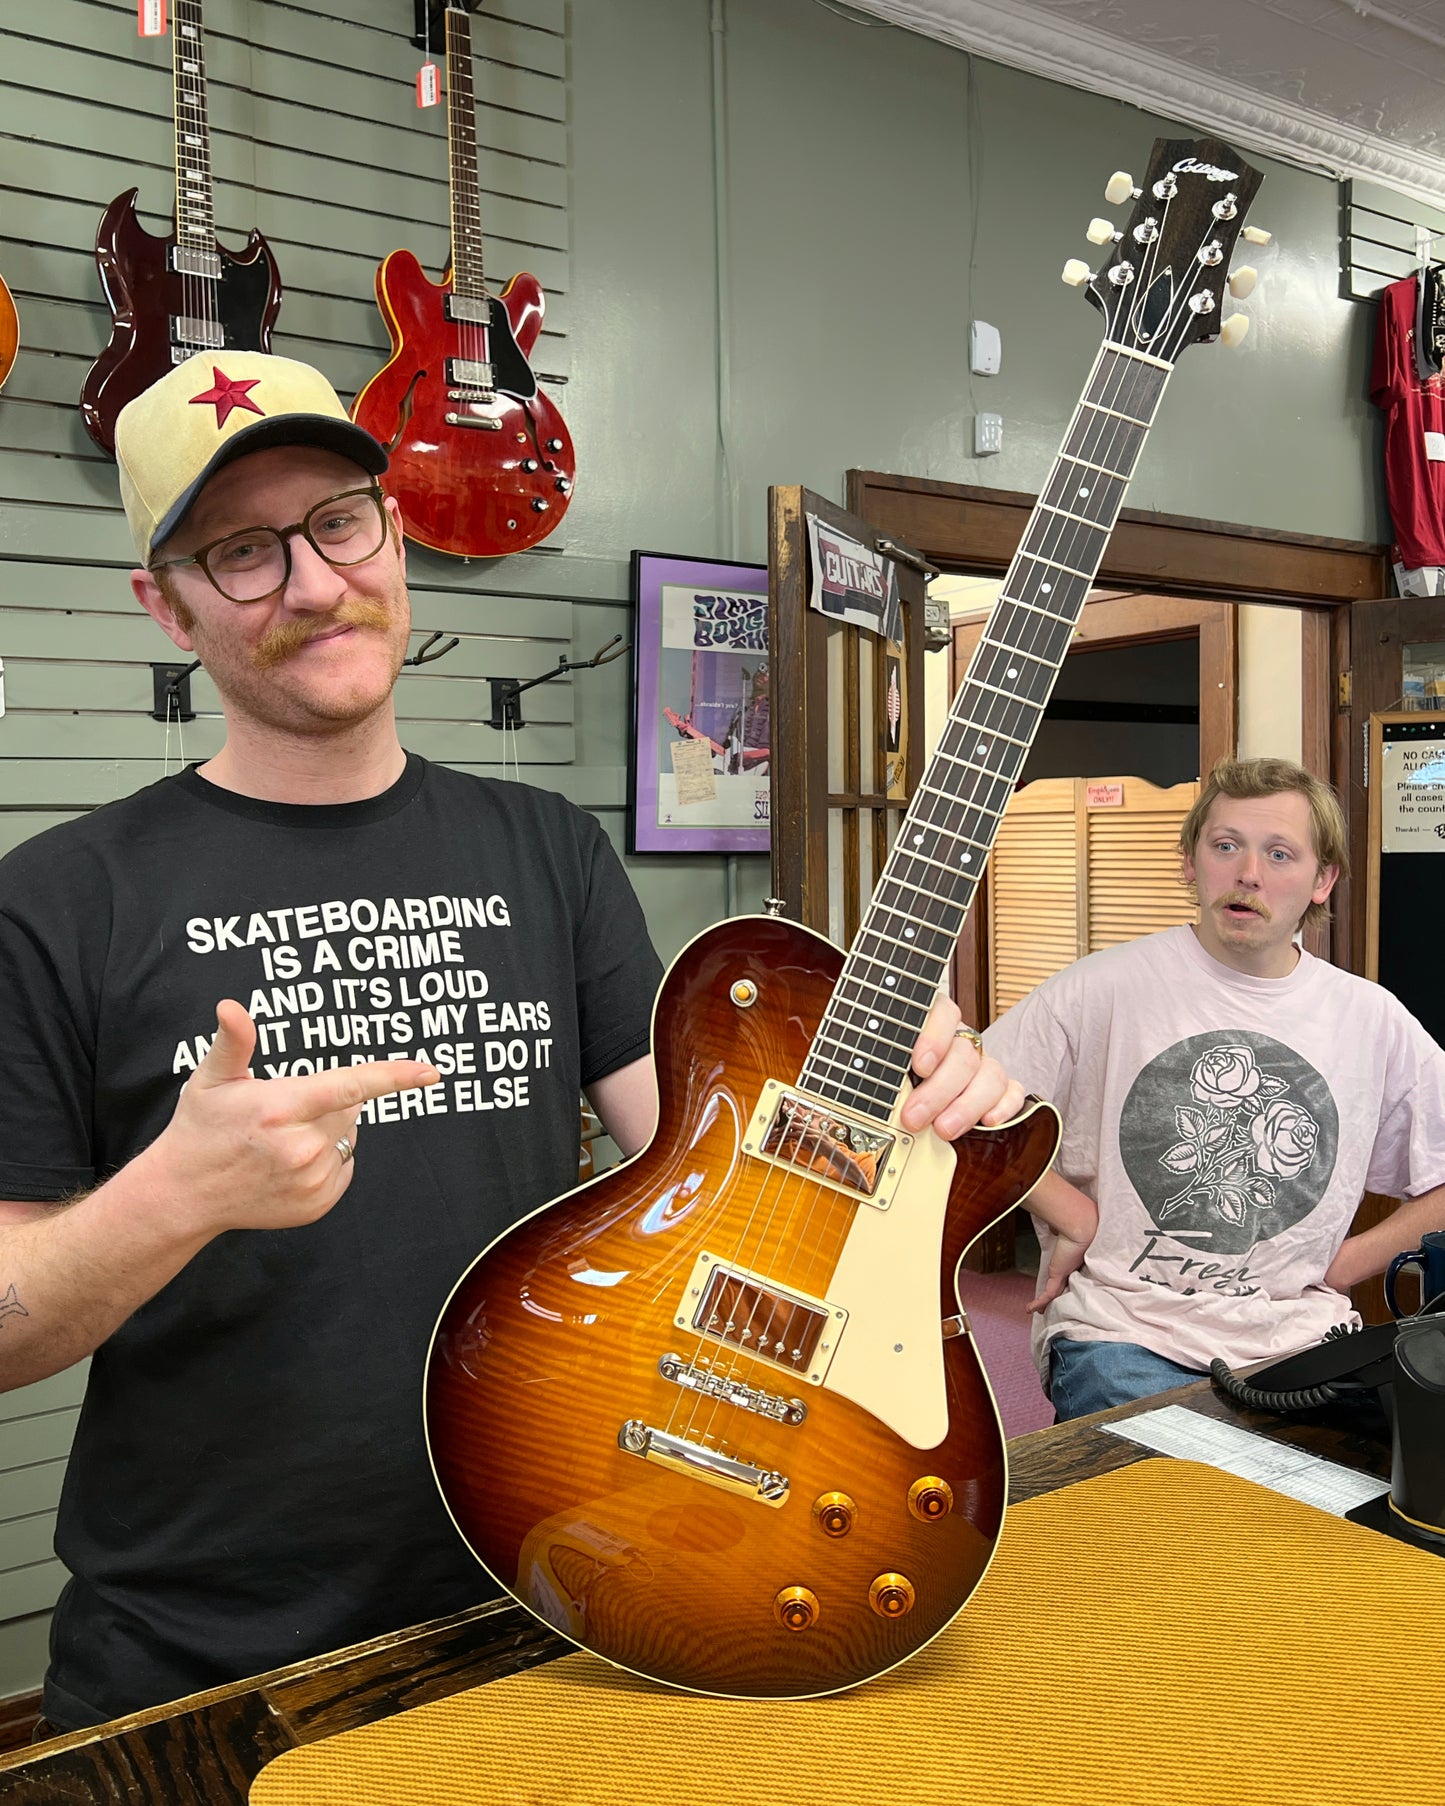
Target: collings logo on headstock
1190, 166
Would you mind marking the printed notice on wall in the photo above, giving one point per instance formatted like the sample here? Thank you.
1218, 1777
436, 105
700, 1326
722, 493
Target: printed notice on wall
1412, 796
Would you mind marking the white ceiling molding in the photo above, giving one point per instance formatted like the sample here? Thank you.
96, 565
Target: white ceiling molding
1043, 43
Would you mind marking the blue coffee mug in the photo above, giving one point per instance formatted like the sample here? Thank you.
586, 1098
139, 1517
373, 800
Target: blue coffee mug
1429, 1257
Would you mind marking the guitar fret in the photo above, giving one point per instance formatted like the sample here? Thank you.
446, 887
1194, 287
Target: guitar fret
1121, 476
1054, 564
1099, 408
994, 777
1050, 664
980, 683
910, 945
939, 864
920, 890
1067, 514
877, 1015
997, 733
857, 1075
1037, 608
1140, 357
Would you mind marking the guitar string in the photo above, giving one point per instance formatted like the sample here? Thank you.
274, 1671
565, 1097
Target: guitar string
1125, 378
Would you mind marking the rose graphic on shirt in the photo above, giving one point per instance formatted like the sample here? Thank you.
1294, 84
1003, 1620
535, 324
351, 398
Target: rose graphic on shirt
1229, 1136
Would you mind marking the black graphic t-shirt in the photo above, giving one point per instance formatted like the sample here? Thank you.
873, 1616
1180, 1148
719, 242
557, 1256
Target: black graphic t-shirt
1228, 1127
249, 1483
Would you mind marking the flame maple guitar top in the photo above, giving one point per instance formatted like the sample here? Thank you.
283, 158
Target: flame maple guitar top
681, 1560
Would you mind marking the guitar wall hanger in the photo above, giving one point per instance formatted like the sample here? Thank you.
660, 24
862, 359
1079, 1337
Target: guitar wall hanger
506, 691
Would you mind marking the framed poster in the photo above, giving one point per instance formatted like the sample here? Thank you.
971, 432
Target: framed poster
699, 752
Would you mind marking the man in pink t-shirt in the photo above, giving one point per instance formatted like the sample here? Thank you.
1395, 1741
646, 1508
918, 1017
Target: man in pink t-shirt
1226, 1100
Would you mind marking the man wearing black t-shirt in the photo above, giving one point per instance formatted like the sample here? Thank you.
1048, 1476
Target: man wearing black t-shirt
414, 964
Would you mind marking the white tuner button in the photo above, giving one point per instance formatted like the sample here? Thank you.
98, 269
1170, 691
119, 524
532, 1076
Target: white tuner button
1242, 282
1119, 187
1076, 272
1233, 330
1256, 235
1101, 232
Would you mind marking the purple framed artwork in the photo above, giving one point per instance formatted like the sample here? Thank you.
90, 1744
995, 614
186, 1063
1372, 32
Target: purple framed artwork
699, 752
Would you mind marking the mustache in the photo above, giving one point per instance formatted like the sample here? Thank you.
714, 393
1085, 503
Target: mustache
287, 638
1240, 900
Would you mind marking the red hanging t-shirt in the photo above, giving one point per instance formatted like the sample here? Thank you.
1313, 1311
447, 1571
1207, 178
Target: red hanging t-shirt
1414, 432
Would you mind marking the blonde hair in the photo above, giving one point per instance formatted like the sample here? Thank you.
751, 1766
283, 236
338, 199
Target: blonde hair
1243, 779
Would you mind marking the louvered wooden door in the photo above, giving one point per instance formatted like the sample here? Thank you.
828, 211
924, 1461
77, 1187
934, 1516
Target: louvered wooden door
1080, 864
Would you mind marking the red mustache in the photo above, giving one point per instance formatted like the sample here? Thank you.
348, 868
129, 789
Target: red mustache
1242, 902
288, 637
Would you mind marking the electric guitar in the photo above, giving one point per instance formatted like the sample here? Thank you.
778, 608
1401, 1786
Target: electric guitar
173, 297
9, 332
481, 460
717, 1416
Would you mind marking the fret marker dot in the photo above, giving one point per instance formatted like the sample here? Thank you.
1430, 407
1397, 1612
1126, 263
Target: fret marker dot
1047, 588
889, 982
1012, 671
908, 934
1083, 491
965, 859
918, 840
872, 1022
982, 747
857, 1063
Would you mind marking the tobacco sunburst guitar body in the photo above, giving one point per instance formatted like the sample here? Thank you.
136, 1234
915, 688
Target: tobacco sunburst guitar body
717, 1416
880, 1444
468, 470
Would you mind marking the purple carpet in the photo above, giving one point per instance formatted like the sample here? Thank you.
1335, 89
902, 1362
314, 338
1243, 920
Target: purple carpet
997, 1306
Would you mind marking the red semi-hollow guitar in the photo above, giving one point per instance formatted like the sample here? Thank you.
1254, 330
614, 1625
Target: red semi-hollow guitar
173, 297
481, 460
718, 1416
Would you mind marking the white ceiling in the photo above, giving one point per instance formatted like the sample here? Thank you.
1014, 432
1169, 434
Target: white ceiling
1345, 86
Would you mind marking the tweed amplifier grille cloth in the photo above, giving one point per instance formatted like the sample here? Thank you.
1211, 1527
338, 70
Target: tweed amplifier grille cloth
1158, 1635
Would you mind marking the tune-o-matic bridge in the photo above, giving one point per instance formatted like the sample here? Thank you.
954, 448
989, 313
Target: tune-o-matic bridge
699, 1377
864, 1159
749, 1312
765, 1485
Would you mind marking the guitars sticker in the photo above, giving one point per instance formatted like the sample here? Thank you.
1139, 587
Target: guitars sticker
853, 583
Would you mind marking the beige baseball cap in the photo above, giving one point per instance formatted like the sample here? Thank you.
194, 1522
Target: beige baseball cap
218, 406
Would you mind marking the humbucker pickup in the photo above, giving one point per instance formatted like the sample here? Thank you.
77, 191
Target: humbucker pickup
865, 1159
748, 1311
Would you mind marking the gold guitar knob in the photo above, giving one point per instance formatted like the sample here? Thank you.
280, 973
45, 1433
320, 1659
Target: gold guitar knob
836, 1513
796, 1608
891, 1595
930, 1499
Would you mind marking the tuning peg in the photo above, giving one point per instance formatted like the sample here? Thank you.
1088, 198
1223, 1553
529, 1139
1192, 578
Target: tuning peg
1101, 232
1233, 330
1242, 282
1076, 272
1256, 235
1119, 187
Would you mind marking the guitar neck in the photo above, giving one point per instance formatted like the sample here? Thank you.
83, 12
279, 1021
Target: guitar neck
860, 1054
468, 282
195, 205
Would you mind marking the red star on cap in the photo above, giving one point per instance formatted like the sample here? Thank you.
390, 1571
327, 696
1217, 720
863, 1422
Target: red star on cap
228, 394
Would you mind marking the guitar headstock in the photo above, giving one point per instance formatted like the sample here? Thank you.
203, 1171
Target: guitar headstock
430, 26
1163, 280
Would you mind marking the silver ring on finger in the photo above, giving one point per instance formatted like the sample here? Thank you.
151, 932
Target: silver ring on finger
345, 1149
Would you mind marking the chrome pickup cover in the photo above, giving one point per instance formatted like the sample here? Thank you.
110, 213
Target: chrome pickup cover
847, 1152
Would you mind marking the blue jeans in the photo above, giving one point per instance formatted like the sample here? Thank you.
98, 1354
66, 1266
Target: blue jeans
1095, 1376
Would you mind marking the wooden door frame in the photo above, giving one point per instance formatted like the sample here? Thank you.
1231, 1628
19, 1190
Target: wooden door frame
1116, 621
979, 529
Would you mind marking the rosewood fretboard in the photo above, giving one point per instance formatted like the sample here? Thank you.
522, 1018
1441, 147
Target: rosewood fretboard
860, 1054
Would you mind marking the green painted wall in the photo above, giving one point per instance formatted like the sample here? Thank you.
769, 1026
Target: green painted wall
877, 190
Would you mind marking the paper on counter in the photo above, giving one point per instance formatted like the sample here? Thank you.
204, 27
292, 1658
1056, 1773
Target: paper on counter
1176, 1430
